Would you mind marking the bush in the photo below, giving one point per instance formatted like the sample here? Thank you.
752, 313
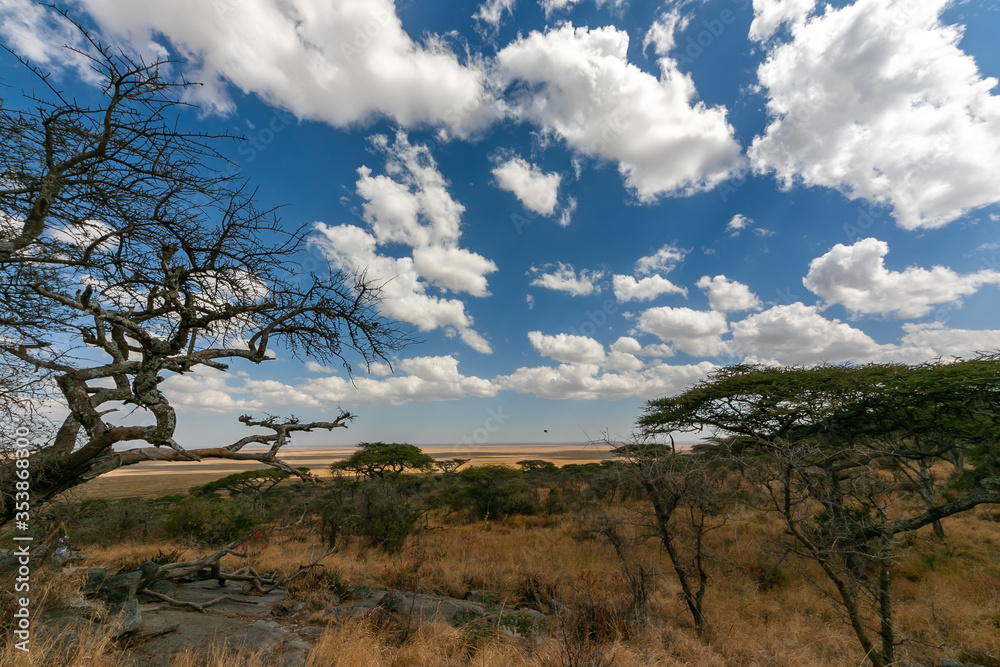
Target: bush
384, 516
212, 522
491, 492
107, 522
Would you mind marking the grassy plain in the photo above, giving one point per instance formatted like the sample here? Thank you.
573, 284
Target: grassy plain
947, 598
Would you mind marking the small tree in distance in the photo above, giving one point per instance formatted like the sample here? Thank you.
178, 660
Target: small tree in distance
379, 459
536, 465
448, 466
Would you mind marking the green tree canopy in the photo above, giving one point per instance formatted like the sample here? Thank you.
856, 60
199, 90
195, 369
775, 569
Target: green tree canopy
838, 452
536, 465
248, 481
377, 459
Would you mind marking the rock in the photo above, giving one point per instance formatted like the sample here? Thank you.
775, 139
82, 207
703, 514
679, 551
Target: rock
119, 588
948, 662
358, 593
482, 597
90, 609
125, 618
95, 576
298, 606
156, 627
533, 613
393, 602
317, 605
163, 587
557, 607
467, 613
148, 570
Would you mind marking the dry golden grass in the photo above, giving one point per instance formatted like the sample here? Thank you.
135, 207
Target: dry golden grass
948, 599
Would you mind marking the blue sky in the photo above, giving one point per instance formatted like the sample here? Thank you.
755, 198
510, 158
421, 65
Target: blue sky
583, 205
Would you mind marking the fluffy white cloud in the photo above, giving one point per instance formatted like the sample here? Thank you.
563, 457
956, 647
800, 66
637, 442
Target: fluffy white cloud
737, 223
577, 83
663, 260
551, 6
727, 295
628, 288
587, 381
629, 345
338, 61
694, 332
566, 279
769, 15
491, 12
206, 390
456, 269
798, 334
567, 348
925, 341
410, 204
33, 31
876, 99
856, 277
426, 379
537, 190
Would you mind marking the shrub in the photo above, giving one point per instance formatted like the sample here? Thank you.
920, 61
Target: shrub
211, 522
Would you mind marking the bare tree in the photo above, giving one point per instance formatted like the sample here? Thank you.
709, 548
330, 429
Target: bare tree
129, 252
690, 496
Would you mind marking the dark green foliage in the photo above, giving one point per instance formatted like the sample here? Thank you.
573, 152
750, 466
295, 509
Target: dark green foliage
212, 522
448, 466
384, 512
536, 465
107, 522
251, 482
384, 516
833, 450
492, 491
378, 459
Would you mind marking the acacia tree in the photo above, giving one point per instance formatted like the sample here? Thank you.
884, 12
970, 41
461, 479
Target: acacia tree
378, 459
129, 252
690, 495
833, 449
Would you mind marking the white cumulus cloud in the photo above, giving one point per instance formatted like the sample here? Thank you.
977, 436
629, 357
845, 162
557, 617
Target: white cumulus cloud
589, 382
567, 348
564, 278
727, 295
577, 83
337, 61
856, 276
628, 288
663, 260
410, 205
695, 332
798, 334
877, 100
737, 223
537, 190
